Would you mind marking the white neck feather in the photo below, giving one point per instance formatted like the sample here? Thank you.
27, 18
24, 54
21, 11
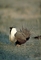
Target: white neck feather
12, 35
13, 32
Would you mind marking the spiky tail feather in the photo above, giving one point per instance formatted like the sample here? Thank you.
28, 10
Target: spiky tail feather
37, 37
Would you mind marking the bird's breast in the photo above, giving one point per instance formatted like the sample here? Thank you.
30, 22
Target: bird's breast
11, 38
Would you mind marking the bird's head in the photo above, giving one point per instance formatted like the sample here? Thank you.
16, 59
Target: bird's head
10, 29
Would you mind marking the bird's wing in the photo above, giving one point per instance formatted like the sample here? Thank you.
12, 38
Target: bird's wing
20, 37
25, 32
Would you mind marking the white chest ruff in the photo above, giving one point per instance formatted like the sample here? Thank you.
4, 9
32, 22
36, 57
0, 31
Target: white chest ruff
12, 39
12, 35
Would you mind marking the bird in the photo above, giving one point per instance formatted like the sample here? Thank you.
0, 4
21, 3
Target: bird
19, 37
